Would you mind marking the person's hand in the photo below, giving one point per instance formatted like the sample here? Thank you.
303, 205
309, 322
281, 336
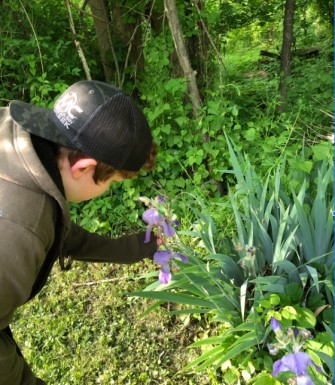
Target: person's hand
160, 241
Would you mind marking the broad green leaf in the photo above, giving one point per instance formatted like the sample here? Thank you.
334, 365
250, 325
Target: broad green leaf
174, 297
272, 284
250, 134
305, 165
151, 308
306, 233
290, 313
242, 344
262, 202
314, 274
209, 362
204, 357
245, 326
319, 150
274, 299
265, 241
329, 330
188, 311
230, 268
321, 217
236, 166
306, 318
294, 292
208, 341
290, 268
267, 213
329, 361
281, 248
224, 318
266, 379
242, 236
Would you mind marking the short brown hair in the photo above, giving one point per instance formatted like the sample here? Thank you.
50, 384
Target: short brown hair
104, 171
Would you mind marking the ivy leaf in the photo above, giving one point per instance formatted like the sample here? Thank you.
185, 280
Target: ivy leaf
320, 150
306, 318
250, 134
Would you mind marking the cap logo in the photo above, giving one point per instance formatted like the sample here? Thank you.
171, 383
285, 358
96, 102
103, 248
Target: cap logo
66, 107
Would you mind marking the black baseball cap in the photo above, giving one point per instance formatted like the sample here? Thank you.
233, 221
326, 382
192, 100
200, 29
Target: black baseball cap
95, 118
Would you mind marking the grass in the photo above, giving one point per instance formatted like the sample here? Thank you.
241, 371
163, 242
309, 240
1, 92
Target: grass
78, 333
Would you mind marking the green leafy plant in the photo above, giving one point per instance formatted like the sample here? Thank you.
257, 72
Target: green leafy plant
236, 284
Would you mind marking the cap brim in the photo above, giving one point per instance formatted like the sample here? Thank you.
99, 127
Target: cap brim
36, 120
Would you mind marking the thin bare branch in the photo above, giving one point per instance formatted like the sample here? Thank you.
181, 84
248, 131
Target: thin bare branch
220, 61
183, 56
76, 41
35, 36
93, 283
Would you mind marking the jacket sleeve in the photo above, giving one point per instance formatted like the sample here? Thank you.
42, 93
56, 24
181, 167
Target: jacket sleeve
21, 257
82, 245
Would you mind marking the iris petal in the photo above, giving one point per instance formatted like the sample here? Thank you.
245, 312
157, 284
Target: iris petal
164, 275
151, 217
162, 257
147, 234
275, 325
297, 363
169, 231
277, 368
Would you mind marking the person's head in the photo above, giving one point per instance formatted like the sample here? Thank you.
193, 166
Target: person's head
99, 130
85, 178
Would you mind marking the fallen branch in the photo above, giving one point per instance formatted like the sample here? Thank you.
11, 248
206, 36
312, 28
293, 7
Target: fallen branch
93, 283
269, 54
301, 52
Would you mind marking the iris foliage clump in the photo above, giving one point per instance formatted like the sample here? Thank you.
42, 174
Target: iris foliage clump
278, 264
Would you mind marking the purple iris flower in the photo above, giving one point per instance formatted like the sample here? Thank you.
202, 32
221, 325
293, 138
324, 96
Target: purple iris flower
273, 350
165, 274
295, 332
297, 363
152, 218
168, 230
163, 258
276, 327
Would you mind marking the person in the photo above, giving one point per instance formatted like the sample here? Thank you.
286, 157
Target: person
94, 135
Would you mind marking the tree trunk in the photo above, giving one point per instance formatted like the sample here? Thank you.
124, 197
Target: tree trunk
127, 29
154, 12
101, 25
286, 52
185, 64
184, 60
198, 47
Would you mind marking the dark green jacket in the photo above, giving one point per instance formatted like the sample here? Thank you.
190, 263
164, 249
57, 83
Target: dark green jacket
35, 225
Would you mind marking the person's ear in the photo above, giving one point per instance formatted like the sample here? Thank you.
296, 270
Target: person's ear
83, 166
